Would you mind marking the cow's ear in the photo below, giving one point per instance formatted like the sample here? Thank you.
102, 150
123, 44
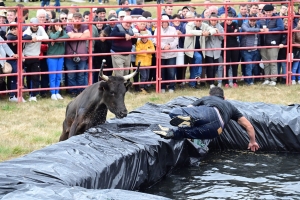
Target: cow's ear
127, 84
103, 86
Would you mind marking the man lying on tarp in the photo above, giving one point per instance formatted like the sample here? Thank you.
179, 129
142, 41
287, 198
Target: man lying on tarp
206, 119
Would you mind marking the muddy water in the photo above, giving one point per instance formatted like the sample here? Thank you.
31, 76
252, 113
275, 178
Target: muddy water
235, 175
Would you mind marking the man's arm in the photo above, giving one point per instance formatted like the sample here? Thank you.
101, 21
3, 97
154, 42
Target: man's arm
243, 121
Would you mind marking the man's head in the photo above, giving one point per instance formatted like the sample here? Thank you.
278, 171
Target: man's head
169, 10
213, 9
253, 9
101, 12
77, 17
121, 15
86, 16
252, 22
198, 20
190, 15
34, 24
243, 9
125, 23
73, 9
2, 17
11, 16
41, 15
112, 20
141, 25
124, 2
207, 4
14, 28
213, 20
268, 10
283, 10
185, 9
227, 1
217, 91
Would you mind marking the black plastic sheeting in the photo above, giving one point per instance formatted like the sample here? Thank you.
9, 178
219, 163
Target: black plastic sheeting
117, 155
126, 154
56, 192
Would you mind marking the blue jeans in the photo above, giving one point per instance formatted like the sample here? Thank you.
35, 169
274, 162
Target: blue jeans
249, 57
75, 79
296, 70
55, 64
57, 3
45, 3
132, 2
195, 71
205, 123
281, 67
13, 79
168, 73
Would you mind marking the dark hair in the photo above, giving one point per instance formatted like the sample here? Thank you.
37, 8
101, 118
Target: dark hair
86, 13
25, 11
65, 10
216, 91
230, 14
53, 14
52, 27
122, 2
213, 15
176, 16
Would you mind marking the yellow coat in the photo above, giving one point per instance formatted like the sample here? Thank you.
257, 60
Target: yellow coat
145, 58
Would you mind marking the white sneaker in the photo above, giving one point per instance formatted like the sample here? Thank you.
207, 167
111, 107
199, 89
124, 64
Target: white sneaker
53, 97
163, 91
101, 3
212, 86
299, 82
171, 91
13, 99
272, 83
220, 85
293, 82
32, 99
230, 84
58, 96
266, 82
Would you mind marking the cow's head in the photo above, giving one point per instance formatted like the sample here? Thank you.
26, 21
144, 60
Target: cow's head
113, 90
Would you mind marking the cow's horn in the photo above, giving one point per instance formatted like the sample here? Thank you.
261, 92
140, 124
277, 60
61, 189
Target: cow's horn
129, 76
101, 75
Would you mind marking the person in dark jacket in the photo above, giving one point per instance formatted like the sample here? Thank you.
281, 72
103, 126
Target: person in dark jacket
205, 119
281, 66
270, 39
13, 36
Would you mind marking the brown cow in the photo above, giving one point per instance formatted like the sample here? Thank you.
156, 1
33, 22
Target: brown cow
90, 107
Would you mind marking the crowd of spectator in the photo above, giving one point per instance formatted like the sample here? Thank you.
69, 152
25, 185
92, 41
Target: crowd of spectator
204, 40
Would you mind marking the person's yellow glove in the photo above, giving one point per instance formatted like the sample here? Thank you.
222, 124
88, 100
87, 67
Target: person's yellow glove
164, 132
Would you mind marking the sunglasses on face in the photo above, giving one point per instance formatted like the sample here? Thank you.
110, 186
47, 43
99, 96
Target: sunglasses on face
63, 18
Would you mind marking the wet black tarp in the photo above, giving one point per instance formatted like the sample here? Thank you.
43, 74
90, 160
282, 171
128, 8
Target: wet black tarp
126, 154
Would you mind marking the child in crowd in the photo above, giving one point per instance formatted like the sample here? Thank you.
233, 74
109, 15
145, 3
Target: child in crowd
143, 46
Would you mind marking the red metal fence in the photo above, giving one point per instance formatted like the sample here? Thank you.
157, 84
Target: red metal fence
20, 89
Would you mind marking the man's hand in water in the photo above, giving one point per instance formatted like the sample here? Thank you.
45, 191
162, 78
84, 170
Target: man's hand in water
253, 146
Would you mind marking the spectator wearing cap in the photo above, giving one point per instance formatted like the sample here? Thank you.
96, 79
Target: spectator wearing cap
74, 31
122, 46
146, 14
112, 12
137, 29
192, 9
33, 48
56, 31
270, 39
12, 80
121, 15
167, 58
143, 46
128, 11
221, 10
123, 4
101, 14
200, 31
184, 10
251, 41
112, 21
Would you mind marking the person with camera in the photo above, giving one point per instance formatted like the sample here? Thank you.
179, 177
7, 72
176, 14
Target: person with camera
76, 31
56, 64
33, 48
